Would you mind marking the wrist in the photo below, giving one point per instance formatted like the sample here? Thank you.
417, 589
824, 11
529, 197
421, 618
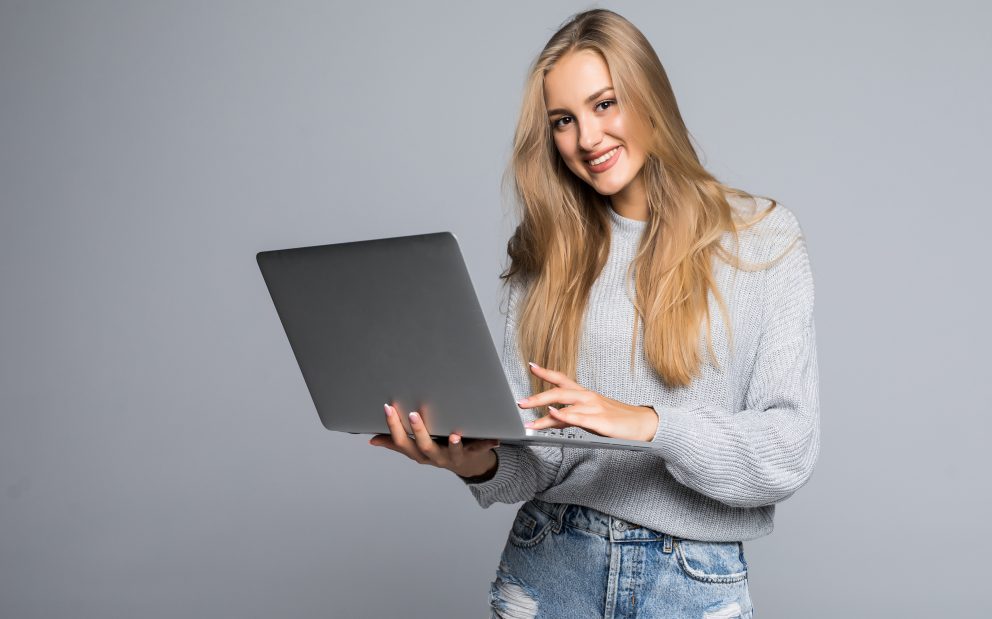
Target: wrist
650, 423
488, 474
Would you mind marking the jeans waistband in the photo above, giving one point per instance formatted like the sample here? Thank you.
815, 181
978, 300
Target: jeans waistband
604, 525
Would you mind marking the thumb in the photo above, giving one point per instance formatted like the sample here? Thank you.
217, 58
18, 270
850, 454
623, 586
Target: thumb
456, 451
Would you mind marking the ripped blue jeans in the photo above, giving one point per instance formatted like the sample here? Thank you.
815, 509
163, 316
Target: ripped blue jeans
573, 561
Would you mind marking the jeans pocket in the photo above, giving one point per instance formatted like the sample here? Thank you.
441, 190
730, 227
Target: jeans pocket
712, 561
529, 526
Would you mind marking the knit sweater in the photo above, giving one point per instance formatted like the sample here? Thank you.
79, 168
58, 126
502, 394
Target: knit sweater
738, 439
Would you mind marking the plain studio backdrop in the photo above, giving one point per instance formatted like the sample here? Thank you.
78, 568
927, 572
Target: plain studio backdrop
159, 453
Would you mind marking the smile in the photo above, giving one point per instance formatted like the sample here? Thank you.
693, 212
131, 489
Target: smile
604, 163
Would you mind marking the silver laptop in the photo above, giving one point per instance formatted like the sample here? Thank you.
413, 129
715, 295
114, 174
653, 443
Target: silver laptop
397, 320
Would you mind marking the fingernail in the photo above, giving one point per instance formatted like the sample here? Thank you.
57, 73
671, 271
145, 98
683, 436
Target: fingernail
529, 424
455, 440
414, 416
389, 410
532, 364
521, 402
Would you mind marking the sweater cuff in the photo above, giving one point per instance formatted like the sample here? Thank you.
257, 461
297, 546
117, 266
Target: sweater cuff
479, 479
674, 432
507, 464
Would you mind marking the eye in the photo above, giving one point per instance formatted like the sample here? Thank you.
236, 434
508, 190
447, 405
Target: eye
557, 123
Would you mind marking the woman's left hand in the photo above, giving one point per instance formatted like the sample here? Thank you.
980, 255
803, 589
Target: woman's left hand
588, 409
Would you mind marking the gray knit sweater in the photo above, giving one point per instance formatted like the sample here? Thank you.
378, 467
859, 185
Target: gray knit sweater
737, 440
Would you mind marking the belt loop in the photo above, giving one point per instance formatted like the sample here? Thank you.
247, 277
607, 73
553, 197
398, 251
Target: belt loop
559, 510
668, 544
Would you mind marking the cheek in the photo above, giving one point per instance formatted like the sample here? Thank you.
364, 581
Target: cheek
568, 152
617, 126
627, 132
636, 137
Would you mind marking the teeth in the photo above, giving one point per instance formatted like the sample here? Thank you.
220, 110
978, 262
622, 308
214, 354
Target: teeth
604, 157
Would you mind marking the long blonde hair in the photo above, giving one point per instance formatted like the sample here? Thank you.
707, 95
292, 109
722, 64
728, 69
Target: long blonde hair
562, 241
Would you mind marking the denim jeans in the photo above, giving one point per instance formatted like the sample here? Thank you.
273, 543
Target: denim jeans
573, 561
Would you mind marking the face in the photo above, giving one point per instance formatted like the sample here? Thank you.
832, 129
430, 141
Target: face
595, 138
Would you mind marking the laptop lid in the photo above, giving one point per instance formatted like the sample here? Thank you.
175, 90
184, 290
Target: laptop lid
391, 320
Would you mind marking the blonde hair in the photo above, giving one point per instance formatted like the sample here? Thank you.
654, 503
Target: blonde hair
562, 242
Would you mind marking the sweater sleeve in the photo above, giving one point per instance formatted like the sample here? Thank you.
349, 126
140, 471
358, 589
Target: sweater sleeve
522, 471
760, 455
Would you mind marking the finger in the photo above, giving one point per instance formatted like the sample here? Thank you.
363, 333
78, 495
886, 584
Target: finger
559, 412
546, 423
553, 377
597, 424
400, 438
456, 452
424, 442
543, 423
388, 444
397, 432
558, 395
386, 441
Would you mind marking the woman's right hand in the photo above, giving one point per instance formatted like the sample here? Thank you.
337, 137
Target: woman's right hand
472, 460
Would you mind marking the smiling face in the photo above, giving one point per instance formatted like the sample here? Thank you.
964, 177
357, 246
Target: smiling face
595, 138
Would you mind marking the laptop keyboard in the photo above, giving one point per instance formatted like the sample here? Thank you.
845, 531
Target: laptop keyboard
562, 433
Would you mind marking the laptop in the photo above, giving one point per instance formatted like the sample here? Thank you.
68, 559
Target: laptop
397, 320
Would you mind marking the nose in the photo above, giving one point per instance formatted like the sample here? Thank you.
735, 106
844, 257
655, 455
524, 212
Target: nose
590, 134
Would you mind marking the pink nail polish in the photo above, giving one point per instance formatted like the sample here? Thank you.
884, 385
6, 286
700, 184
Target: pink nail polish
389, 410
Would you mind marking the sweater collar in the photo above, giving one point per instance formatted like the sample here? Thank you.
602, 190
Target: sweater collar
626, 228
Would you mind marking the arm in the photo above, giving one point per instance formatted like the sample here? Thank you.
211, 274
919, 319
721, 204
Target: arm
520, 471
763, 454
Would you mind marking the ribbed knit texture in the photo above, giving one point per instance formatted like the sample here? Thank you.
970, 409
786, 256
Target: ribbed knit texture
737, 440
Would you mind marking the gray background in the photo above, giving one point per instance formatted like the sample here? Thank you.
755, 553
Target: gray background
159, 453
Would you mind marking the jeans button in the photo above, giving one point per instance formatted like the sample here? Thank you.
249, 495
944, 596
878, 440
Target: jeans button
619, 525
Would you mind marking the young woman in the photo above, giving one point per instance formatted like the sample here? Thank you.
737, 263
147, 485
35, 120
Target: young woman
630, 262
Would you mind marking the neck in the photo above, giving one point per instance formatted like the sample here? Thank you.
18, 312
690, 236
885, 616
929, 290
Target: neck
631, 201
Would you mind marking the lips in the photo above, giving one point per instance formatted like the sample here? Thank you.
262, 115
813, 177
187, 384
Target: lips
606, 165
599, 154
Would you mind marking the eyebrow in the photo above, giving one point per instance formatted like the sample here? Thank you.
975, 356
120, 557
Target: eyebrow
588, 100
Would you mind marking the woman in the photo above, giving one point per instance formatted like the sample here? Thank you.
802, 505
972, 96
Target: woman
631, 260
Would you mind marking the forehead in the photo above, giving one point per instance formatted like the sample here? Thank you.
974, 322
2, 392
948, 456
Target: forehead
574, 77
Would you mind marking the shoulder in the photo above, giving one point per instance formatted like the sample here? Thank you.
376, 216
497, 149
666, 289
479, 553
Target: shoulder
774, 250
778, 230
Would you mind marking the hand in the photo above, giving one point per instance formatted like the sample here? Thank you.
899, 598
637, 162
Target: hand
590, 410
469, 460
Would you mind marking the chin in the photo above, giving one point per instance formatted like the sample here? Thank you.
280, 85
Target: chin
608, 189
